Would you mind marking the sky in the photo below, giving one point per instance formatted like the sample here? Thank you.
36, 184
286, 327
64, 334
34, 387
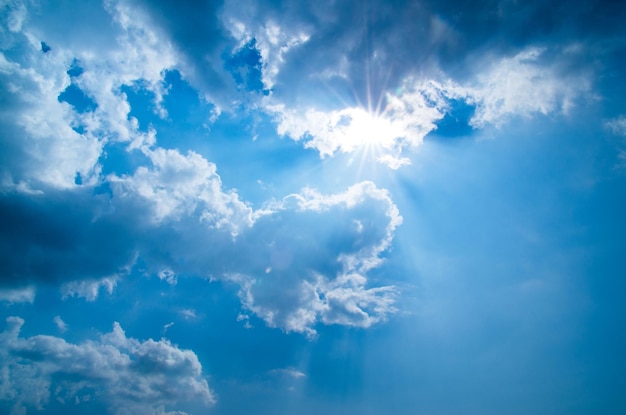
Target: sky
275, 207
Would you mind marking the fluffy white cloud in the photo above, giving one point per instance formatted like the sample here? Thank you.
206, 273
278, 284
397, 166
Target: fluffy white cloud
319, 274
40, 126
177, 199
182, 185
54, 141
408, 116
122, 373
522, 85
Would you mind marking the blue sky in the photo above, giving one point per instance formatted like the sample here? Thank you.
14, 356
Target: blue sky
226, 207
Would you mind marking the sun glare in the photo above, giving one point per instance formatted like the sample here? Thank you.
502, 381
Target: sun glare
369, 131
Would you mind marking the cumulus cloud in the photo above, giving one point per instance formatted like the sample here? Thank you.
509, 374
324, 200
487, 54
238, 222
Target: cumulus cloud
49, 151
291, 281
177, 198
341, 88
61, 143
320, 273
407, 117
122, 373
523, 85
178, 184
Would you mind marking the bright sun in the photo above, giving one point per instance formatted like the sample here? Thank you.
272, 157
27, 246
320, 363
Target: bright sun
368, 131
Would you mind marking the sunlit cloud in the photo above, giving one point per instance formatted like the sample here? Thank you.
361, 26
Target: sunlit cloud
312, 200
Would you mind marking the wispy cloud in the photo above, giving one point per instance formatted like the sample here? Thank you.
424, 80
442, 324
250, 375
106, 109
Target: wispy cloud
88, 289
61, 325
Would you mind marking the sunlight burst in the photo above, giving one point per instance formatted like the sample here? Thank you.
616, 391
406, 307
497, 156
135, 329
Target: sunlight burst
369, 130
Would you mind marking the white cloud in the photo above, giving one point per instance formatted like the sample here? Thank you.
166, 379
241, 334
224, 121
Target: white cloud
310, 282
289, 371
167, 326
88, 289
272, 40
522, 85
181, 185
188, 313
61, 325
130, 376
409, 115
181, 194
617, 125
54, 152
393, 162
167, 275
16, 16
344, 300
18, 295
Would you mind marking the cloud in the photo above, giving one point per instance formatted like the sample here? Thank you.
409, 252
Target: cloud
522, 85
404, 121
62, 146
168, 276
50, 152
61, 325
318, 274
125, 374
183, 185
272, 41
289, 371
63, 236
617, 125
393, 162
167, 326
88, 289
18, 295
169, 210
196, 31
188, 313
16, 15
